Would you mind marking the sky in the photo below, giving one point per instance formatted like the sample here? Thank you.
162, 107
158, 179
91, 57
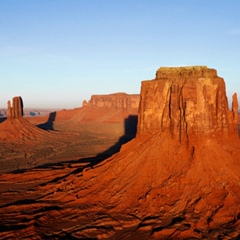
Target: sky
57, 53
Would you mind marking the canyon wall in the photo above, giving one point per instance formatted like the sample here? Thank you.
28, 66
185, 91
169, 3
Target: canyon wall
186, 101
115, 100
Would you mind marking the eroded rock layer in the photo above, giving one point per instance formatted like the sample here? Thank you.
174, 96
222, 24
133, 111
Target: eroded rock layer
107, 108
115, 100
16, 109
178, 179
15, 127
186, 101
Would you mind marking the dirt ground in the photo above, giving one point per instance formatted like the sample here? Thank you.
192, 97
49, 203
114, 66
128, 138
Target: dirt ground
45, 193
68, 141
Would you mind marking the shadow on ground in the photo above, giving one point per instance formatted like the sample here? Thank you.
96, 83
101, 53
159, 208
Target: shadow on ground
2, 119
48, 125
130, 129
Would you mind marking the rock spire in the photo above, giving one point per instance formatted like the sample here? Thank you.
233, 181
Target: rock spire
155, 187
16, 109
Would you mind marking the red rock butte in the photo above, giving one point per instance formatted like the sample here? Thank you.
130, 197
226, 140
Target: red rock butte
16, 110
15, 127
178, 179
186, 101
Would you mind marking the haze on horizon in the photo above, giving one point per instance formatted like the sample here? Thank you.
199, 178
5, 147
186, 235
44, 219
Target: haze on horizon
57, 53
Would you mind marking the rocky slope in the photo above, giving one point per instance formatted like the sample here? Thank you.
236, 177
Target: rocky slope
178, 179
15, 127
109, 108
68, 134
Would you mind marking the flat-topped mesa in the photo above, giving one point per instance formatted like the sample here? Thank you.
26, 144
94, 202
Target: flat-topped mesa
115, 100
16, 109
190, 71
186, 101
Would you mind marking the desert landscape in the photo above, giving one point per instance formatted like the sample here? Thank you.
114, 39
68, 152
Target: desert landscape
162, 164
100, 127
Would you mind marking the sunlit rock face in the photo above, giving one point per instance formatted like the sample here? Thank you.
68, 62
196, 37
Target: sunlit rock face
177, 179
15, 110
186, 101
115, 100
107, 108
16, 128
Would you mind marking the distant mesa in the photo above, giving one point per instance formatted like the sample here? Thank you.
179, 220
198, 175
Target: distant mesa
34, 113
115, 107
115, 100
3, 112
177, 179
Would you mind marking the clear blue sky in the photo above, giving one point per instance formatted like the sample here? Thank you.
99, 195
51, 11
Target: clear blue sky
56, 53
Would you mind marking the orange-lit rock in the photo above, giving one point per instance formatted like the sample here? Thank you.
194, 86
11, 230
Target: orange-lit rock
16, 109
15, 127
178, 179
110, 108
115, 100
186, 101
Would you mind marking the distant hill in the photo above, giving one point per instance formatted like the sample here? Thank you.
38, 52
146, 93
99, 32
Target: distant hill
30, 112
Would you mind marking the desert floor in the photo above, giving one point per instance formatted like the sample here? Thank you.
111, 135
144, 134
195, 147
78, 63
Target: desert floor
64, 142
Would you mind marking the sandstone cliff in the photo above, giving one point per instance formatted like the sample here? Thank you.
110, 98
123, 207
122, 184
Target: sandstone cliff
178, 179
109, 108
115, 100
16, 109
186, 102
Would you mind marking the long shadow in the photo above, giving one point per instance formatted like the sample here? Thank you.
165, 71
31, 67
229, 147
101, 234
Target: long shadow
2, 119
56, 165
48, 125
130, 126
